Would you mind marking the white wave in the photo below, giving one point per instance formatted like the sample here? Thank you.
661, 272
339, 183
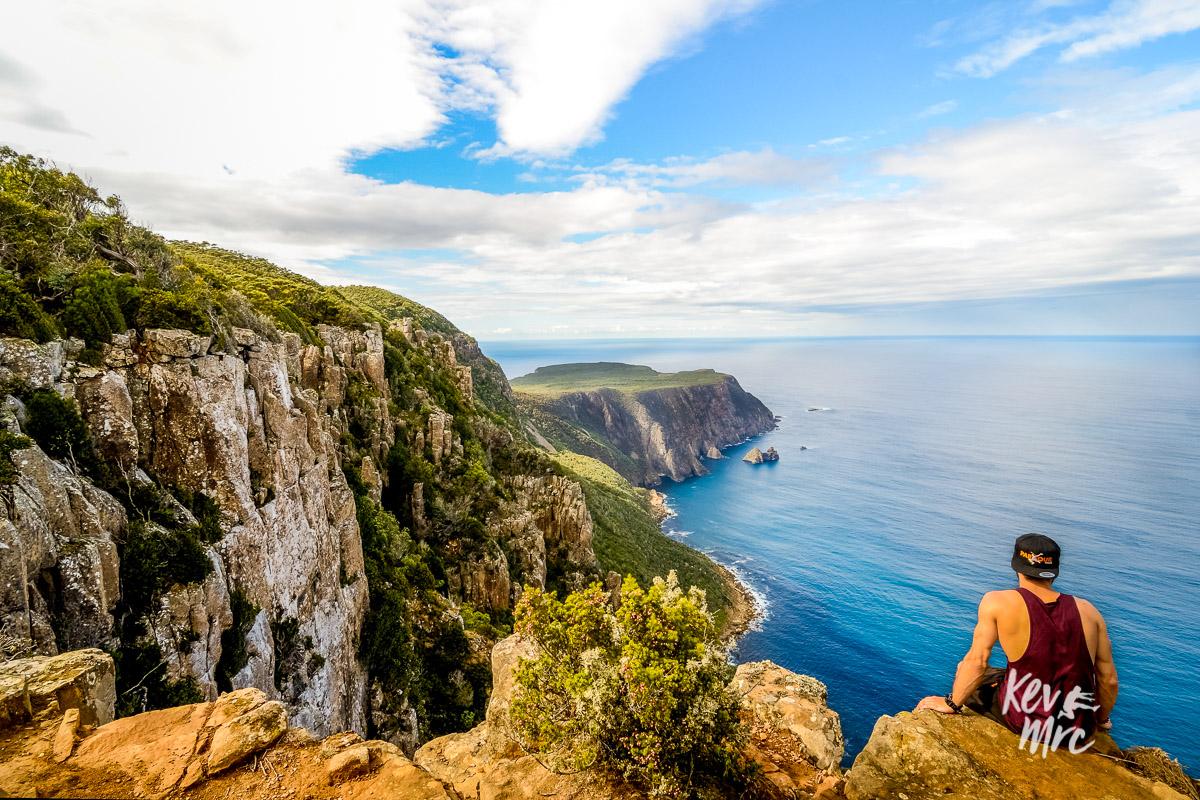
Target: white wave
679, 534
670, 509
758, 597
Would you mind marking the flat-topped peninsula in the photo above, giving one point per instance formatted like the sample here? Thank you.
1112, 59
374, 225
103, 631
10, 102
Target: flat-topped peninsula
645, 424
560, 379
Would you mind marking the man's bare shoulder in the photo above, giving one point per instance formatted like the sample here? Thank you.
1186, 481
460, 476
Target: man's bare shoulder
999, 599
1088, 611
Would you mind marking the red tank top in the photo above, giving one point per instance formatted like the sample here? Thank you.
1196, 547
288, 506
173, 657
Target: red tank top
1056, 662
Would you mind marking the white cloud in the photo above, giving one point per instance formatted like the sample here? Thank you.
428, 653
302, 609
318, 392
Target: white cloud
1022, 206
261, 89
274, 87
160, 103
1125, 24
553, 69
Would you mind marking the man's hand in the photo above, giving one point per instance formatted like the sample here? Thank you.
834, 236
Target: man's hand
934, 703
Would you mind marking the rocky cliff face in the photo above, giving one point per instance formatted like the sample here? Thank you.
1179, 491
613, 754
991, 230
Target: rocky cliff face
256, 426
661, 432
253, 425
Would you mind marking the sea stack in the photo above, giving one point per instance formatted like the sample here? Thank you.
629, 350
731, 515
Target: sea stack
757, 456
713, 453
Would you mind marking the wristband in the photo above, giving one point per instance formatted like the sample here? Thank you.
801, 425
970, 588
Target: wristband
955, 707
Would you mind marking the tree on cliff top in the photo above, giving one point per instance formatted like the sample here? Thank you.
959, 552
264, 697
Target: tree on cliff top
640, 690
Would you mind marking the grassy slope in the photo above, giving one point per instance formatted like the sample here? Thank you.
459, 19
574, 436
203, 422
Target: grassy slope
628, 540
394, 306
562, 378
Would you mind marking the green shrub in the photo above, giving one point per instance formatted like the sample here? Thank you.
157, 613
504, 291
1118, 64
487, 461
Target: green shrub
9, 442
207, 514
482, 623
289, 653
94, 310
21, 315
641, 691
158, 308
141, 682
55, 424
154, 558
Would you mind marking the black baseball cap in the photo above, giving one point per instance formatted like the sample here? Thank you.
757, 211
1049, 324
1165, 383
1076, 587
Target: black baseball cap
1037, 556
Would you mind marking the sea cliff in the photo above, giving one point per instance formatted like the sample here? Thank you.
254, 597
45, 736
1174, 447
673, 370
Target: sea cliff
645, 424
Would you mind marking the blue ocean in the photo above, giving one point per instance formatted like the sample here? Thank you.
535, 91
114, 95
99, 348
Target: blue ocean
925, 458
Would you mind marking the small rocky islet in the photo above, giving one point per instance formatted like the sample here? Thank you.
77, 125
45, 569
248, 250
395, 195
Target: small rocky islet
757, 456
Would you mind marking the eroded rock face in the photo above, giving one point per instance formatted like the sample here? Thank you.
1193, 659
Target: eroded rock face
790, 714
59, 576
253, 424
667, 431
558, 510
546, 520
930, 755
189, 624
255, 429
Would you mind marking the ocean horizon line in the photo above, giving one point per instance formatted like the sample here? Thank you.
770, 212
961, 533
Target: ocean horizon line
1116, 337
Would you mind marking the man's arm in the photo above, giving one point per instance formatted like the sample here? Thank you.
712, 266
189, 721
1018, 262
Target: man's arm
974, 664
1106, 670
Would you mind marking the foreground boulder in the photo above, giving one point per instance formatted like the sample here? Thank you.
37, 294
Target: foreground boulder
240, 746
51, 744
81, 680
930, 755
795, 737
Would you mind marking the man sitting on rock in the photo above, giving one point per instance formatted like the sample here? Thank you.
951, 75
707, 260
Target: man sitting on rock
1060, 684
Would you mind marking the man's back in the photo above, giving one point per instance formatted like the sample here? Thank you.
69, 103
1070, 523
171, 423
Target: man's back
1051, 641
1011, 615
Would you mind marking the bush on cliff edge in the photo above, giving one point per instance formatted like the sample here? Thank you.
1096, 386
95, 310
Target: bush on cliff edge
640, 690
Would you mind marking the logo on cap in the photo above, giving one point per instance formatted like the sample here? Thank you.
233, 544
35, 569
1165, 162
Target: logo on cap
1037, 558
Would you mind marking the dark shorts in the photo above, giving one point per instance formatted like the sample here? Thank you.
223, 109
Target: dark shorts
986, 699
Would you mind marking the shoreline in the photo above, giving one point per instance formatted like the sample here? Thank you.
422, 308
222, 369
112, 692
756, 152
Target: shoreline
744, 609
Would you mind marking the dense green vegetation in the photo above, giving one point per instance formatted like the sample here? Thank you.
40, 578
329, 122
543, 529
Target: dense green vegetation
393, 306
54, 423
630, 378
9, 442
640, 691
628, 540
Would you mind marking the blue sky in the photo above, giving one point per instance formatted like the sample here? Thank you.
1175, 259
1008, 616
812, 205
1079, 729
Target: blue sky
664, 167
